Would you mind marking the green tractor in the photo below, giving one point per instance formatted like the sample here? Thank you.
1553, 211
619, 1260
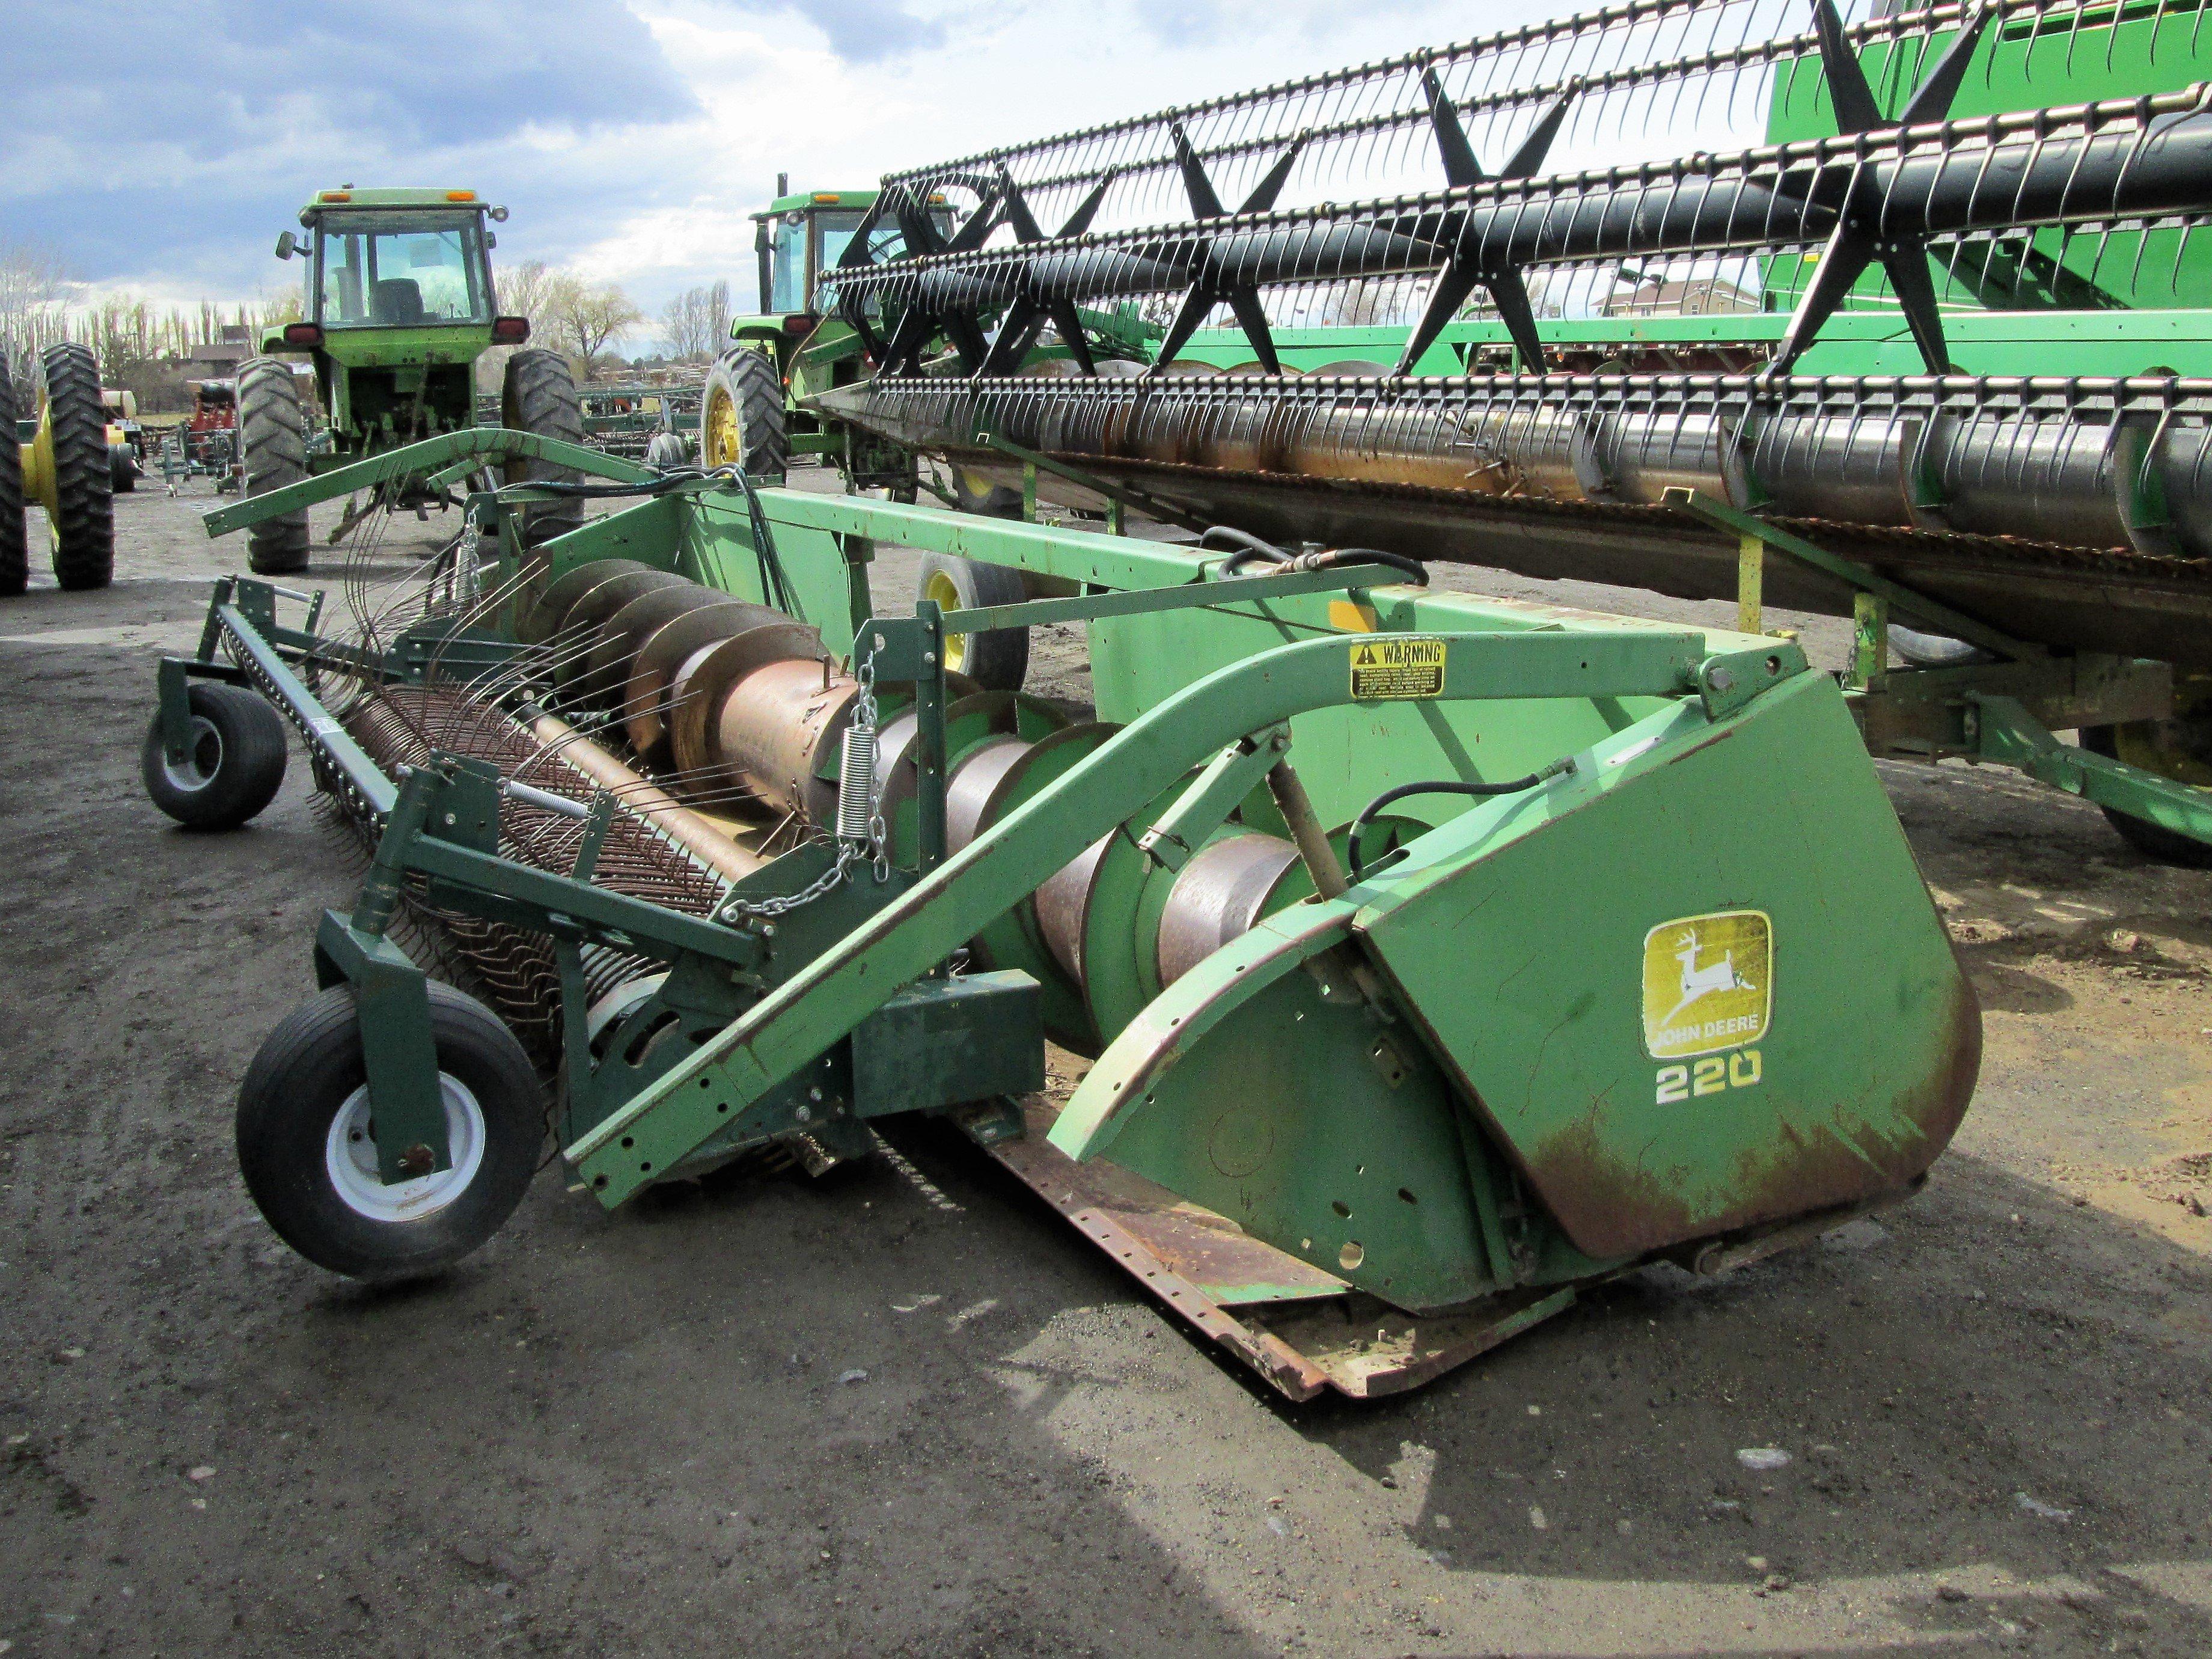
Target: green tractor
752, 412
399, 306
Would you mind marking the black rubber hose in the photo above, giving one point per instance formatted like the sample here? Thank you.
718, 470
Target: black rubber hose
1251, 549
1446, 787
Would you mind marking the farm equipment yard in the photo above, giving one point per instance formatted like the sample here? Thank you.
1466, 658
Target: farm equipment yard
906, 1409
1414, 863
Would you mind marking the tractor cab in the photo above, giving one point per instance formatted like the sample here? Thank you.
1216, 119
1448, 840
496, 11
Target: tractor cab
799, 241
398, 303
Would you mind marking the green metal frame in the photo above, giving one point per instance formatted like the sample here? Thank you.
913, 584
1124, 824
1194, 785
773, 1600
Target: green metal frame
2003, 711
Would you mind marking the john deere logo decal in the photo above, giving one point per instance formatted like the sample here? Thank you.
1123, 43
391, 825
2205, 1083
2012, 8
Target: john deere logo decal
1708, 983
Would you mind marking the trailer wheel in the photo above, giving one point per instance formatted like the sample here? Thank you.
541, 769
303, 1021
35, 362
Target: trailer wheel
741, 416
539, 398
122, 469
272, 438
974, 492
14, 553
999, 660
2177, 749
83, 497
232, 766
307, 1150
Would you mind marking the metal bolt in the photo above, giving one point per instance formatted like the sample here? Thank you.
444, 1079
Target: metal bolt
814, 1094
450, 820
417, 1160
804, 1114
1720, 679
929, 657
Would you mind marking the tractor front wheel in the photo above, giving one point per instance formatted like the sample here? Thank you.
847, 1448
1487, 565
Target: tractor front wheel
233, 763
539, 398
14, 554
741, 416
306, 1144
272, 435
83, 500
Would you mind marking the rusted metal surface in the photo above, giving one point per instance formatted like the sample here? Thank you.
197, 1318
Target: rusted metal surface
1219, 895
778, 726
644, 692
1610, 1209
2115, 600
685, 827
974, 785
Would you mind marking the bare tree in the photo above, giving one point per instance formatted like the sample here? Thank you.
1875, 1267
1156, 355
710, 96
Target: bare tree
693, 325
588, 317
533, 289
33, 285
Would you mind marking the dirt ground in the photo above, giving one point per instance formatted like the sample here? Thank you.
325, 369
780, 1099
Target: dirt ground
908, 1412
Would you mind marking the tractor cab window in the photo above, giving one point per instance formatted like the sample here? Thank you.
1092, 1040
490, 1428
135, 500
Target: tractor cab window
401, 270
834, 232
788, 275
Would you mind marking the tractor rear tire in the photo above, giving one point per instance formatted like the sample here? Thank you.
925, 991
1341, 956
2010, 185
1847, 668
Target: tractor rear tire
741, 416
84, 497
14, 552
306, 1149
999, 660
539, 398
272, 433
234, 764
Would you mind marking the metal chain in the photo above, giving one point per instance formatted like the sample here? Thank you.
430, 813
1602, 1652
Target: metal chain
876, 850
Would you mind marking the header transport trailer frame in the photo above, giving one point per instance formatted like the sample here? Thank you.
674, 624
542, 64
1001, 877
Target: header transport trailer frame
1356, 1123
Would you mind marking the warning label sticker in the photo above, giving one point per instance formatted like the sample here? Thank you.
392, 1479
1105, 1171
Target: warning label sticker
1708, 983
1391, 667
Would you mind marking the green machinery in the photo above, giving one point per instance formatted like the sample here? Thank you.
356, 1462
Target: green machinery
56, 453
399, 306
757, 411
1381, 1070
1928, 340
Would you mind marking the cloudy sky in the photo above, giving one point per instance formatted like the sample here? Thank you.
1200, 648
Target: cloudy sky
161, 149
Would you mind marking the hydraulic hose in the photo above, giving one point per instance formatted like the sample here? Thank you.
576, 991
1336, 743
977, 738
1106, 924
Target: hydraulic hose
1441, 786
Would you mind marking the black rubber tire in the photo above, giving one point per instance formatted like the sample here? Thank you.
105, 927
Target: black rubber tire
749, 383
304, 1074
990, 500
539, 398
998, 660
238, 759
272, 435
2153, 840
14, 551
84, 497
122, 469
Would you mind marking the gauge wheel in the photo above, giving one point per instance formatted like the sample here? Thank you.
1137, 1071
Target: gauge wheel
233, 763
974, 492
998, 660
2181, 748
306, 1144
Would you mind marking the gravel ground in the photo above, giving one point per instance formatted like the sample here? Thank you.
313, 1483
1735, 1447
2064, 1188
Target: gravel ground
630, 1434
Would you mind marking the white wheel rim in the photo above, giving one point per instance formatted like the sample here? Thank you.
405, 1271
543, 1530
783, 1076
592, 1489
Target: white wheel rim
350, 1156
202, 757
